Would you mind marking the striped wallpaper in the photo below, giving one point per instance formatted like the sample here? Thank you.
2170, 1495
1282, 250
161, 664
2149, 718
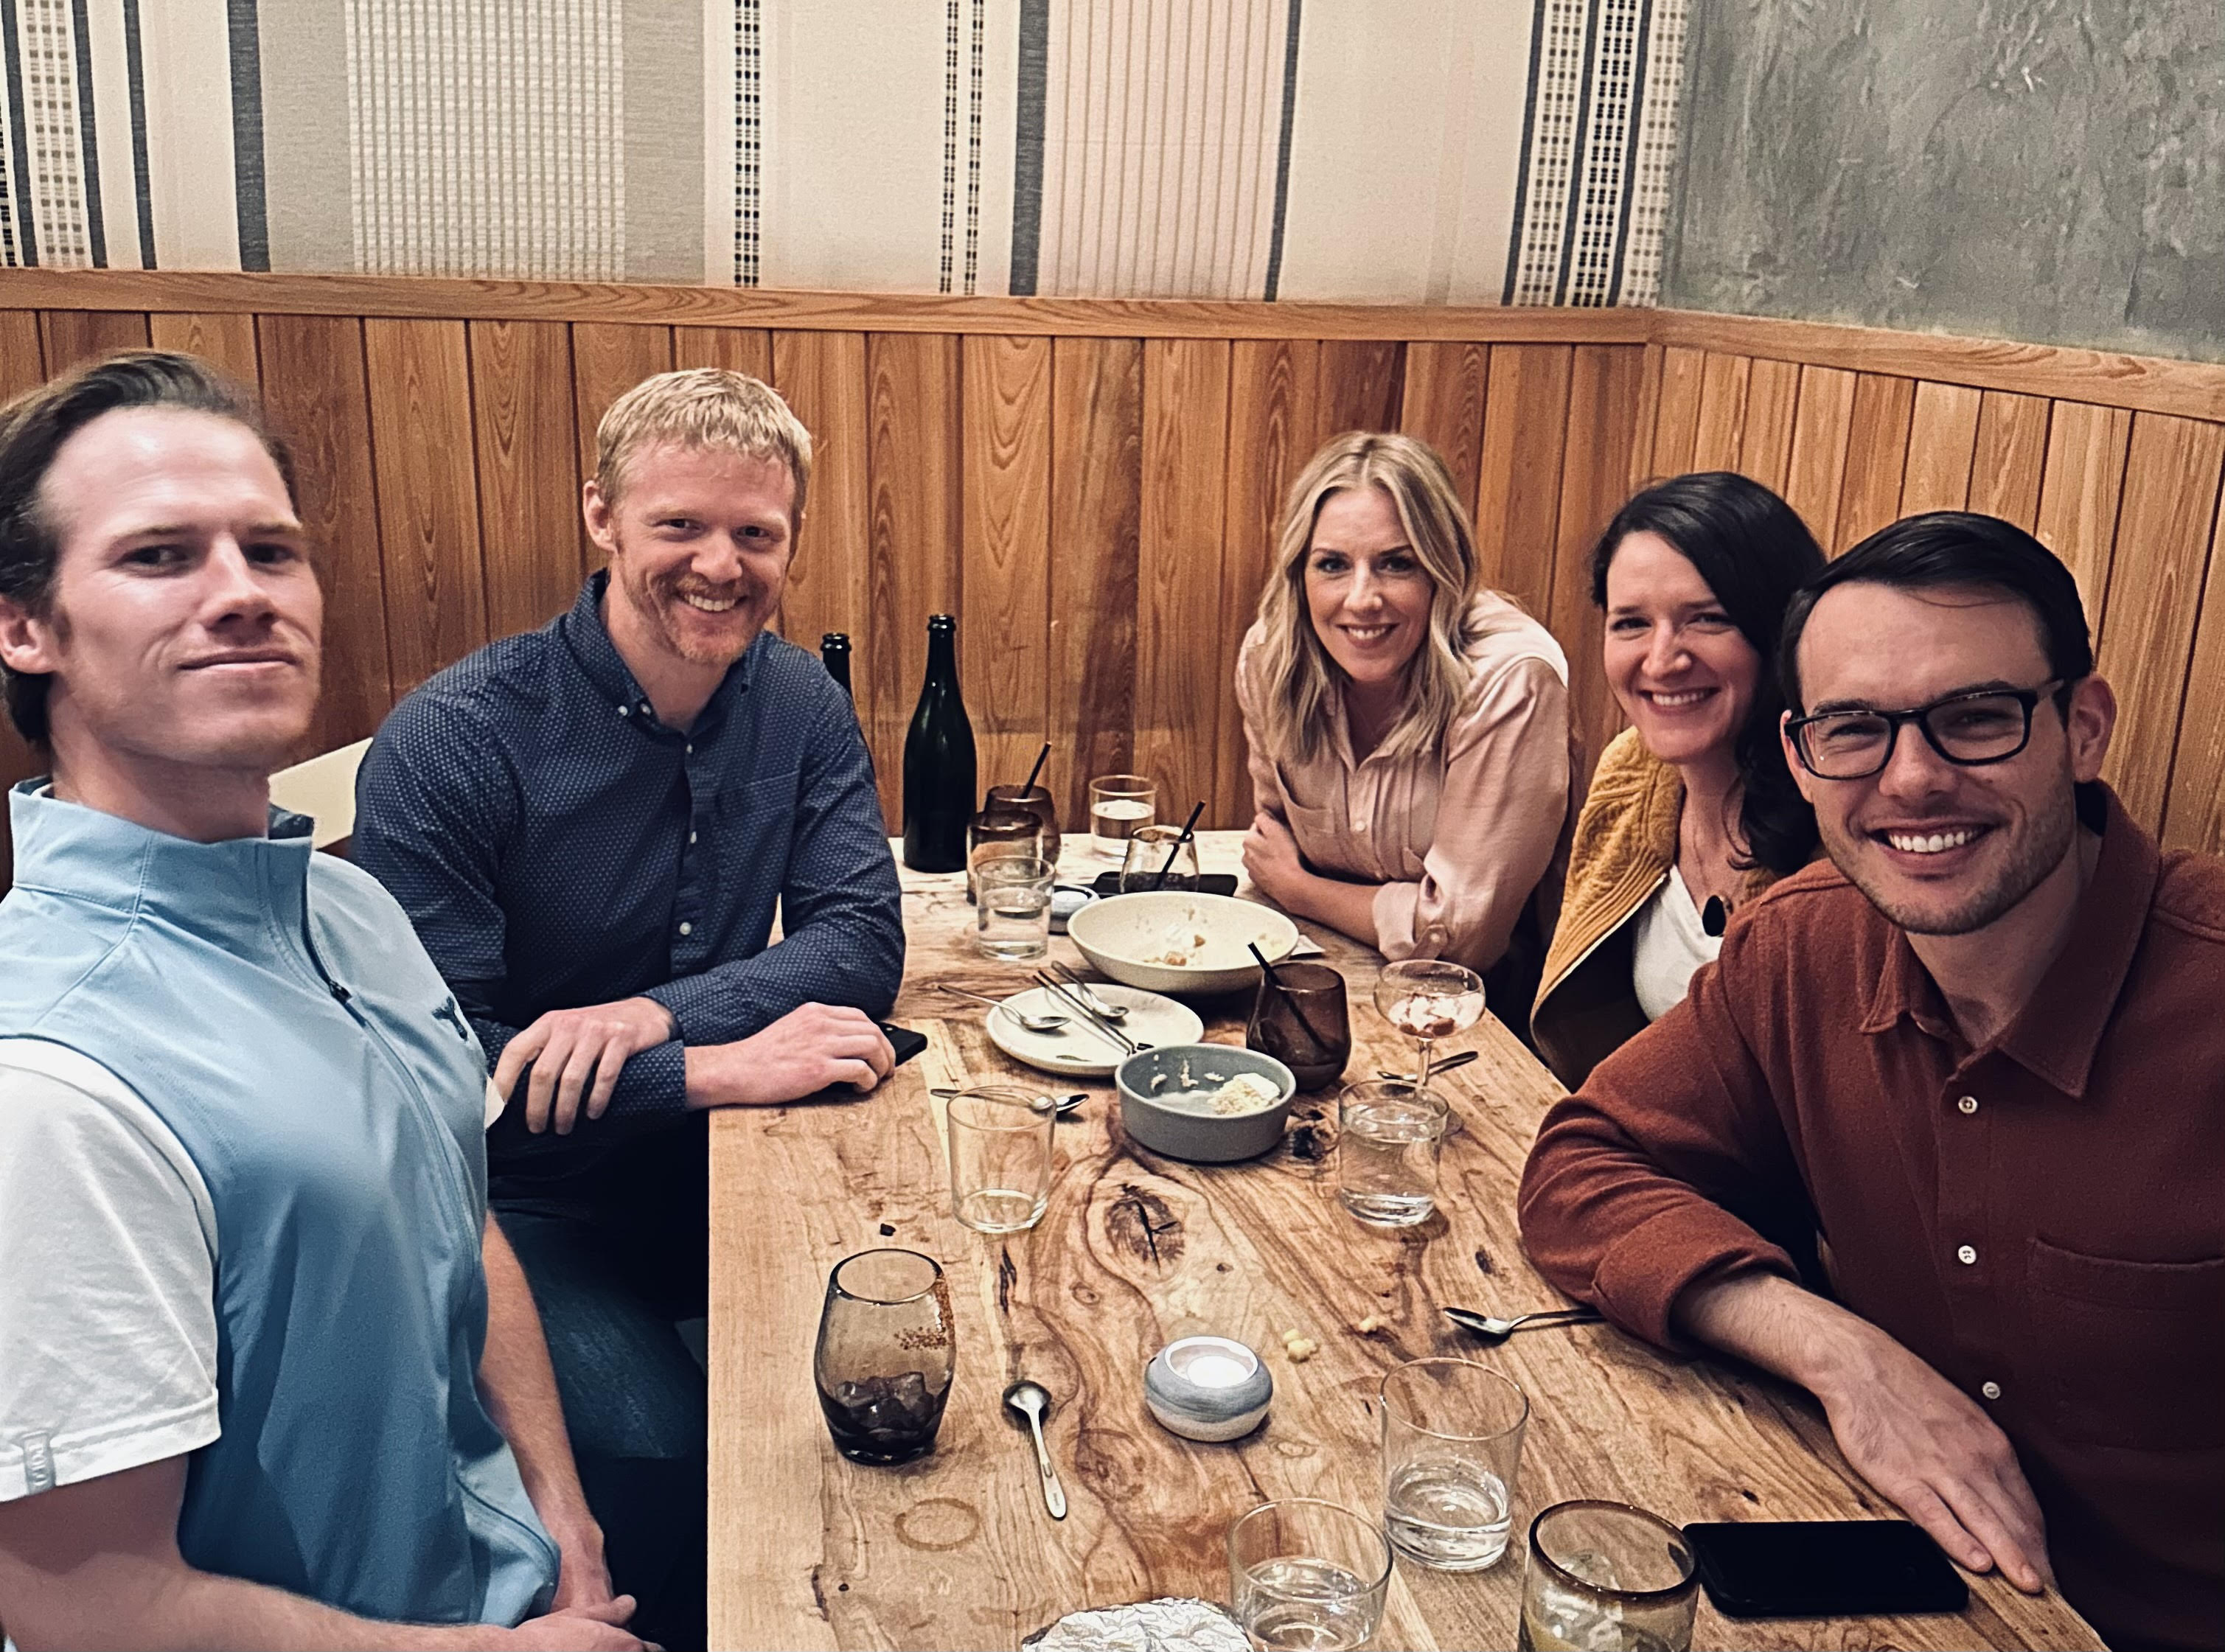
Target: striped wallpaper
1409, 151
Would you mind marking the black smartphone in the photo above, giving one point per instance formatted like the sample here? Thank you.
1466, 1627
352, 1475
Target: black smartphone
902, 1041
1823, 1568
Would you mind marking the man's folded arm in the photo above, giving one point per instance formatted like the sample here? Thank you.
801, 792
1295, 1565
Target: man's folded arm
841, 910
435, 802
1650, 1178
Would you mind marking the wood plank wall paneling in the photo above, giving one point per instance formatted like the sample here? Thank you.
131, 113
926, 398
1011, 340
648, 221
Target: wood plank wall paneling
1097, 438
1095, 489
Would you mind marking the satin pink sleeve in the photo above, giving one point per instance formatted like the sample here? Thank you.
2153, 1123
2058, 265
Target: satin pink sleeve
1500, 815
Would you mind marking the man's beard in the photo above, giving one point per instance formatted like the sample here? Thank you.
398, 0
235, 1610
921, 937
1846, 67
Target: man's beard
2032, 857
654, 601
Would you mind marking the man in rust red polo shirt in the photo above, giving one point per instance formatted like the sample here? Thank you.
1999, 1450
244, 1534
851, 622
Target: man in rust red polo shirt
1973, 1071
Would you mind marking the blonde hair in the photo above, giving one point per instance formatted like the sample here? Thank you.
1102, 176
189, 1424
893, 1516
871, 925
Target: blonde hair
702, 406
1298, 670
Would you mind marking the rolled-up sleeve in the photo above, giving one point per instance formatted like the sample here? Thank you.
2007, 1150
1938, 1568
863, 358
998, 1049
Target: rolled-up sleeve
1665, 1167
1500, 815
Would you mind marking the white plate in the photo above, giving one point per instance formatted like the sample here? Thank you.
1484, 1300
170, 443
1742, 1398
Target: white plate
1077, 1048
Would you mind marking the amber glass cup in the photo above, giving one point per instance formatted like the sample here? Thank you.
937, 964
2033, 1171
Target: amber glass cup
885, 1354
1029, 800
998, 833
1304, 1023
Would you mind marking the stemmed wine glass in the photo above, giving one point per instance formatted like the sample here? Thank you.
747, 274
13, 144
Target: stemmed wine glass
1426, 999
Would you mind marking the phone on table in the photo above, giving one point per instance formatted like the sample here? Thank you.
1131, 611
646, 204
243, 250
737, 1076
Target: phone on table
902, 1041
1823, 1568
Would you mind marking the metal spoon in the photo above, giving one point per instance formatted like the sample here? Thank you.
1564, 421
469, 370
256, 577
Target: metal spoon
1031, 1400
1495, 1331
1089, 995
1033, 1023
1436, 1068
1065, 1104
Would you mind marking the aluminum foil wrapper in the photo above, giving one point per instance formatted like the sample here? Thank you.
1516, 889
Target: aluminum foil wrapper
1164, 1625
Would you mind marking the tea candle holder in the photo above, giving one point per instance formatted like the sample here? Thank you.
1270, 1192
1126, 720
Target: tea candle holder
1208, 1388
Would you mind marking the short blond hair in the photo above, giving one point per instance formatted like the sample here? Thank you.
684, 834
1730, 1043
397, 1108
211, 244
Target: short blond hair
703, 407
1298, 669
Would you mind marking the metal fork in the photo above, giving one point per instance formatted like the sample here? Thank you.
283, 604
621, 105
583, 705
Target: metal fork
1089, 995
1051, 983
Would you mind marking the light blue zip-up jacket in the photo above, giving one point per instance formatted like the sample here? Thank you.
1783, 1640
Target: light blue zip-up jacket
274, 1009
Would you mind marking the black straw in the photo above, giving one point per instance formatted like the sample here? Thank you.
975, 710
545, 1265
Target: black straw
1289, 1002
1188, 825
1041, 758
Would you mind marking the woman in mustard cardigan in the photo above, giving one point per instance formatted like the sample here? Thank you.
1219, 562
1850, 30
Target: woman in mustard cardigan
1691, 810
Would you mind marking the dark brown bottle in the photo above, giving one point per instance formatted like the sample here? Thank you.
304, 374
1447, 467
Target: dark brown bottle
939, 776
834, 651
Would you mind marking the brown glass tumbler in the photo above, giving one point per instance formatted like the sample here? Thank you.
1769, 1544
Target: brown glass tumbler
1030, 800
995, 832
1302, 1023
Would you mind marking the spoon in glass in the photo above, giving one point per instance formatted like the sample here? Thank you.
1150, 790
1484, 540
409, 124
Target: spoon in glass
1031, 1400
1033, 1023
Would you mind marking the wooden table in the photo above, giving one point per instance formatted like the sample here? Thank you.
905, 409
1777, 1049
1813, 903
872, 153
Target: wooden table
808, 1550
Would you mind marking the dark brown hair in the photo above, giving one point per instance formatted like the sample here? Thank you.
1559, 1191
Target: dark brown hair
33, 429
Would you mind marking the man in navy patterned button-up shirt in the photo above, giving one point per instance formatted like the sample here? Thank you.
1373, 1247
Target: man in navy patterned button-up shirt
590, 827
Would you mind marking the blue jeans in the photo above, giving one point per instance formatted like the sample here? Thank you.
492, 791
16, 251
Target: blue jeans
617, 1256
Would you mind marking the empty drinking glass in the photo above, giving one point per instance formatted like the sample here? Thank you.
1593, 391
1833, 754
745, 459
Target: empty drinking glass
1153, 849
1452, 1442
1011, 907
1387, 1136
1002, 1148
885, 1354
1117, 805
1306, 1574
1605, 1577
1303, 1023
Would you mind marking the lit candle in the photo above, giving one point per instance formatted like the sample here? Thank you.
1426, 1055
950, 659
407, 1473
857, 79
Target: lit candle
1215, 1370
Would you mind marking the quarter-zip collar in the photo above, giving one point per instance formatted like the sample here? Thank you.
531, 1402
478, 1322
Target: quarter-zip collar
242, 894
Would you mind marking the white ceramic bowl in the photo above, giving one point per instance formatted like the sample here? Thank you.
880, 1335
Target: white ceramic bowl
1174, 941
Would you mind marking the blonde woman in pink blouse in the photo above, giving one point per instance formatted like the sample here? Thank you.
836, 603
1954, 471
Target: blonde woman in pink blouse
1409, 728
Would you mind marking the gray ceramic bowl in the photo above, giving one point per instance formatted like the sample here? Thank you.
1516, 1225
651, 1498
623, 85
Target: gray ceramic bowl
1160, 1120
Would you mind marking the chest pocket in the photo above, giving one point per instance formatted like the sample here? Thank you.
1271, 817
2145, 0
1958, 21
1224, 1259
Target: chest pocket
2136, 1347
759, 797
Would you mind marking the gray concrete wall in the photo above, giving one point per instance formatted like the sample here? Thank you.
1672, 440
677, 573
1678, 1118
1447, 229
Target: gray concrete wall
2049, 170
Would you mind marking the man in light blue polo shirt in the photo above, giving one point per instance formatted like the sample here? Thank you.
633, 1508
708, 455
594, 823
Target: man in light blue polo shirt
267, 1377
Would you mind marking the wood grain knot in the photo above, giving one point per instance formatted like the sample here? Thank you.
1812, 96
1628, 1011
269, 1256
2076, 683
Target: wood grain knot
938, 1524
1108, 1459
1145, 1225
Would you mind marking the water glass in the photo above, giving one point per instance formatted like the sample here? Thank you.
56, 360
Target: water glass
1030, 799
1001, 1153
885, 1354
1117, 805
1001, 834
1605, 1577
1388, 1132
1301, 1020
1011, 909
1151, 848
1306, 1574
1452, 1443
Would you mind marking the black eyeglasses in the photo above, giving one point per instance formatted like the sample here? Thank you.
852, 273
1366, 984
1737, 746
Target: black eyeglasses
1988, 725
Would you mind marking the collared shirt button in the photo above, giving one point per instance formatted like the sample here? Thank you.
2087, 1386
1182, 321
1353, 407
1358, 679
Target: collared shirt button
1966, 1254
622, 711
691, 837
1991, 1390
1359, 823
687, 929
691, 748
1968, 1104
